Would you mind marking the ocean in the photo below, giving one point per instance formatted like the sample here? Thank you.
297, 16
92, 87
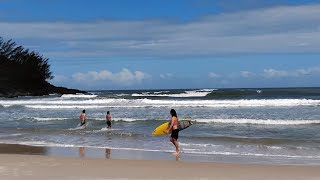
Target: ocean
279, 125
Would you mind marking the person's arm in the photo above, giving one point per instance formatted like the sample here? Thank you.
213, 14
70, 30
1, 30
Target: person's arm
171, 126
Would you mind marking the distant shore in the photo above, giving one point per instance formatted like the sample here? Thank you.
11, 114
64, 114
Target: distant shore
9, 91
28, 162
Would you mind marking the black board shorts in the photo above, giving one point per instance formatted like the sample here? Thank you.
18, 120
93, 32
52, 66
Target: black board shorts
175, 134
108, 123
82, 123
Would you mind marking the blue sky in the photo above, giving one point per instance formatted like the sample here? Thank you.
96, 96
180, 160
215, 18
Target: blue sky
143, 44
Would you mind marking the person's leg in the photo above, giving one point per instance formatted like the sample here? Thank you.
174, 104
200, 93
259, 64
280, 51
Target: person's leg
176, 144
172, 140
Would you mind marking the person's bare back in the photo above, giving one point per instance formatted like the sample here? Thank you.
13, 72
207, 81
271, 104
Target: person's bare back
108, 118
83, 118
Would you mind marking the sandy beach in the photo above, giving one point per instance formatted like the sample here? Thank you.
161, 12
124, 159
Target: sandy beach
26, 167
155, 89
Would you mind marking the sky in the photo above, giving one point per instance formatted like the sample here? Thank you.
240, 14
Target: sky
170, 44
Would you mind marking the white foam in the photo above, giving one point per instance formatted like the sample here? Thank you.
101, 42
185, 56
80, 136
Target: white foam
78, 127
128, 119
280, 155
196, 93
235, 103
304, 148
211, 153
274, 147
208, 90
79, 96
251, 154
199, 145
10, 135
106, 129
61, 103
258, 121
120, 95
158, 92
64, 106
49, 119
213, 145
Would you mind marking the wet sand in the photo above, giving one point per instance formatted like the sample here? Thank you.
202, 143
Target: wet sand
30, 162
14, 166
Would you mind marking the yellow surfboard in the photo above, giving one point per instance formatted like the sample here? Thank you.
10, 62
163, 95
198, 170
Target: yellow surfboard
182, 124
160, 130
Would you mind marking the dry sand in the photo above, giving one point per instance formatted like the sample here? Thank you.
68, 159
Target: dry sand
39, 167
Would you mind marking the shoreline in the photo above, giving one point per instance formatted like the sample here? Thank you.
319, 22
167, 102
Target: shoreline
138, 154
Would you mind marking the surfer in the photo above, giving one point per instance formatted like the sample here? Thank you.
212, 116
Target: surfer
83, 118
108, 118
174, 131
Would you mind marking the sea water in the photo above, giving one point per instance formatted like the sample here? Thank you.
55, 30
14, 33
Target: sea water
251, 125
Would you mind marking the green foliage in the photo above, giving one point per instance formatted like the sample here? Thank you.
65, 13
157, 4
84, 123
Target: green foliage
20, 66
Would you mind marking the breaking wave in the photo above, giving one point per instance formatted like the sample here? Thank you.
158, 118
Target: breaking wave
258, 121
184, 94
141, 103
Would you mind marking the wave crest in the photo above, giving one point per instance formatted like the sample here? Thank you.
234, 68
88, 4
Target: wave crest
258, 121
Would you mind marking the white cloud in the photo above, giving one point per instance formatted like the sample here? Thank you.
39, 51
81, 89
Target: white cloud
269, 73
284, 29
124, 77
213, 75
246, 74
166, 76
273, 73
308, 71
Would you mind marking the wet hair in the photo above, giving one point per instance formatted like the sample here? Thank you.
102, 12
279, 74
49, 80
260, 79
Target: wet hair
83, 111
108, 112
173, 113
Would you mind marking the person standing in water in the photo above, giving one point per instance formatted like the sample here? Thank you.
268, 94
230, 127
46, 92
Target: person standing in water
81, 152
173, 128
83, 118
108, 118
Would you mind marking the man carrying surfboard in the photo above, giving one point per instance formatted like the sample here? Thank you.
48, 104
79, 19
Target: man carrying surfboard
173, 128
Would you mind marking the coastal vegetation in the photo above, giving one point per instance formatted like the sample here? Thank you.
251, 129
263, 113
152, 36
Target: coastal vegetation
24, 72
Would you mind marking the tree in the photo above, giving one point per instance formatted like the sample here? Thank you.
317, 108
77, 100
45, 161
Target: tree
22, 67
